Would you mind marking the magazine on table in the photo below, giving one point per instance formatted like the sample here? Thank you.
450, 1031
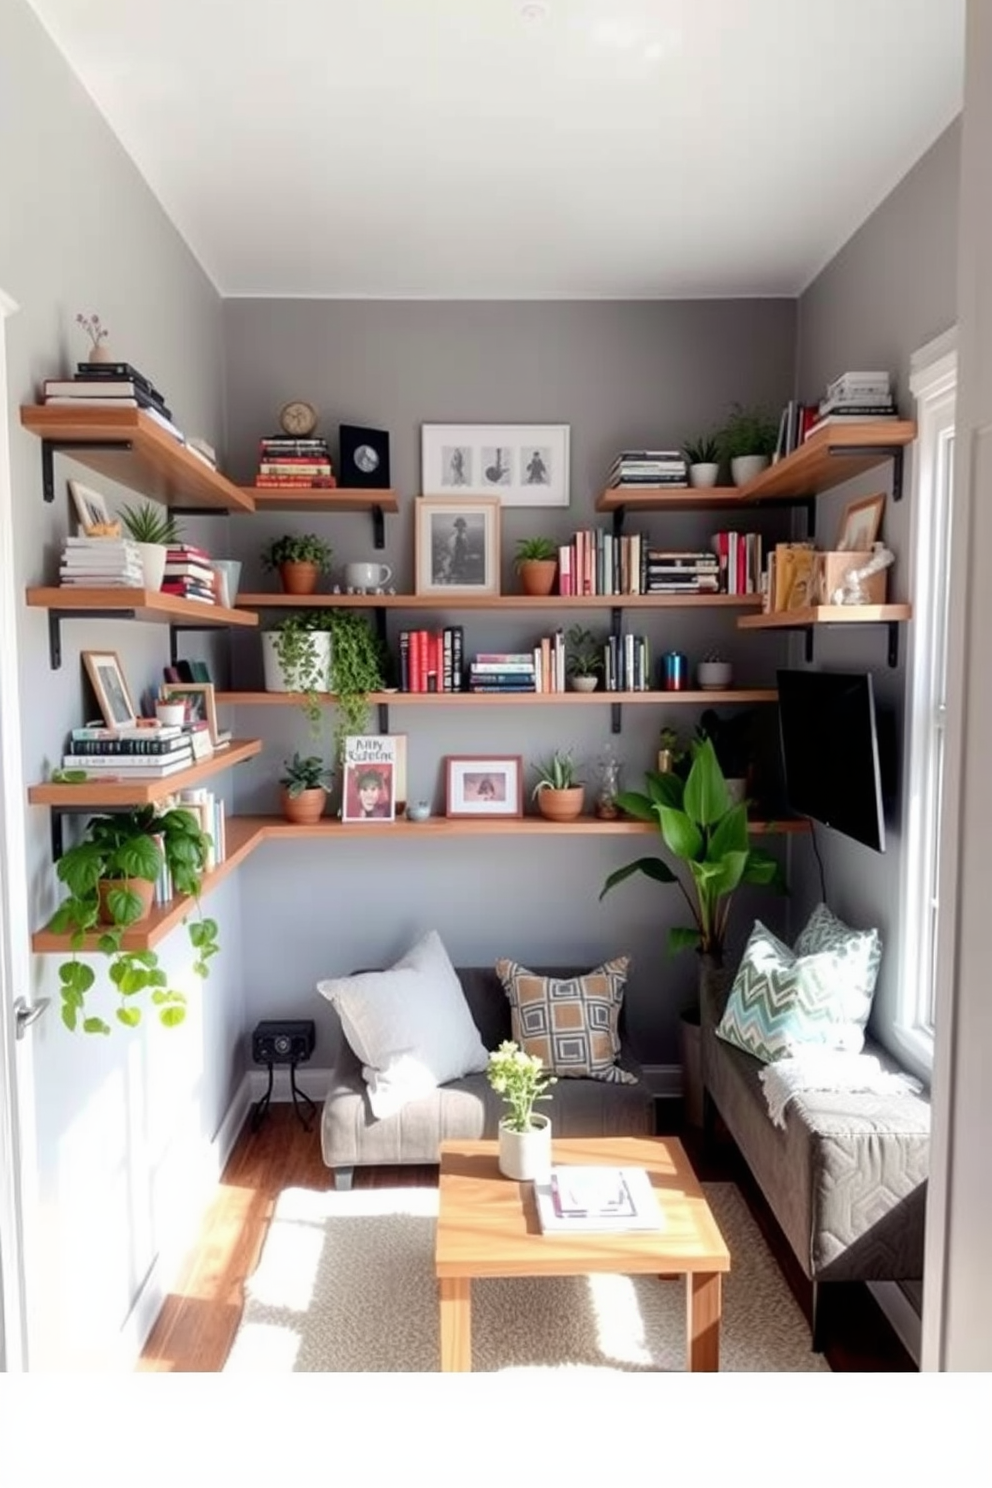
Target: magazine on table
586, 1198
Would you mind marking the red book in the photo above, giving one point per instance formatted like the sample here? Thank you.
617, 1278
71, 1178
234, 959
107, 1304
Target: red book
414, 660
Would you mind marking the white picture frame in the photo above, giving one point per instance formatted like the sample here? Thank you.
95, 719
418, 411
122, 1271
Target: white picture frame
519, 464
91, 507
108, 682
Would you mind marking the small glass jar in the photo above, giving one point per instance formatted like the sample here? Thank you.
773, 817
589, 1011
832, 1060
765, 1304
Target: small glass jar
606, 807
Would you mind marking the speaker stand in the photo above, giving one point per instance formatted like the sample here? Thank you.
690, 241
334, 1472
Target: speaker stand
305, 1118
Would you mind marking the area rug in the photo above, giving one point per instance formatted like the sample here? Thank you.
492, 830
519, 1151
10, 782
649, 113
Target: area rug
346, 1283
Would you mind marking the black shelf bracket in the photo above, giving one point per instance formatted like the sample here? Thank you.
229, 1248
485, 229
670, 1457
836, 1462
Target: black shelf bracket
51, 447
895, 453
55, 618
808, 652
378, 527
619, 516
58, 812
201, 511
892, 626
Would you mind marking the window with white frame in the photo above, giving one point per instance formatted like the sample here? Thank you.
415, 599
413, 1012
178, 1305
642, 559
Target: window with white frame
933, 383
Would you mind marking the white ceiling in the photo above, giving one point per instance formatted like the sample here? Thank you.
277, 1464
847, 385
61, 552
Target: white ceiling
457, 149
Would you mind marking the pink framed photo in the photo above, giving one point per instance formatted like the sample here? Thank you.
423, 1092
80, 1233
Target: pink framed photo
483, 785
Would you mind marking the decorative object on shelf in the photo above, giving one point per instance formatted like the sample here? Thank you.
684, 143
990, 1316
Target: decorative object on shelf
296, 657
583, 659
860, 524
418, 811
671, 750
104, 671
154, 529
524, 1149
305, 783
298, 419
864, 582
606, 807
369, 789
363, 458
170, 715
747, 442
456, 546
714, 672
201, 707
703, 457
228, 571
367, 578
674, 671
559, 794
792, 570
91, 509
537, 564
483, 785
299, 560
97, 333
520, 464
111, 875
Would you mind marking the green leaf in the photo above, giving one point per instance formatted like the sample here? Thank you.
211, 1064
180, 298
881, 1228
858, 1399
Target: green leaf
636, 805
666, 789
720, 878
95, 1025
172, 1016
706, 799
140, 858
764, 869
76, 977
729, 834
681, 835
124, 905
69, 1016
129, 1016
682, 938
650, 867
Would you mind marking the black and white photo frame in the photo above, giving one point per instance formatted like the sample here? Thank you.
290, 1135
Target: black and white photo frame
519, 464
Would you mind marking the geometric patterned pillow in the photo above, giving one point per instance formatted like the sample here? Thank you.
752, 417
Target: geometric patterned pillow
858, 952
780, 1002
569, 1023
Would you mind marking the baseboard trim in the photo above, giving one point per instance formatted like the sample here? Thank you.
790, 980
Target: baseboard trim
664, 1080
901, 1314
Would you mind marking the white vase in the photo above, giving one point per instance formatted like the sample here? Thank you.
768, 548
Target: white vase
526, 1155
703, 474
101, 353
153, 556
228, 571
744, 468
276, 680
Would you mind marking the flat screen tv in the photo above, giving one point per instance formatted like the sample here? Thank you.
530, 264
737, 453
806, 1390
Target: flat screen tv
830, 752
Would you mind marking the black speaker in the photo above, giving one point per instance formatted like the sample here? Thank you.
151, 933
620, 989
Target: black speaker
283, 1041
363, 462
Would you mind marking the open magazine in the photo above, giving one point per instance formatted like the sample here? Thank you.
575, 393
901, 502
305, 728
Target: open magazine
586, 1198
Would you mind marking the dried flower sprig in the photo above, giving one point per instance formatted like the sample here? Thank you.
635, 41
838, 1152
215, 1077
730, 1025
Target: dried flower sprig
91, 325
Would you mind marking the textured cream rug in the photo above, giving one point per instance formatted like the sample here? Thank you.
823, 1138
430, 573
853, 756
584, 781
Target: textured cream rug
346, 1283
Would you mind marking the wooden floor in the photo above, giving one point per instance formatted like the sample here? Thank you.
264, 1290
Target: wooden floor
198, 1322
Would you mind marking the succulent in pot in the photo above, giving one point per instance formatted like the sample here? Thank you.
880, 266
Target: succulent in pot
703, 458
154, 529
583, 659
299, 561
537, 564
305, 782
559, 793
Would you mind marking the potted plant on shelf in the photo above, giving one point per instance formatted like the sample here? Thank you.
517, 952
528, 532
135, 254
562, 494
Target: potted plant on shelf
747, 442
671, 751
154, 529
524, 1135
707, 833
111, 875
305, 783
537, 564
583, 659
559, 794
703, 458
299, 561
320, 652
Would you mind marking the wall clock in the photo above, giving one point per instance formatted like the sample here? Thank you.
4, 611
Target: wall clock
298, 419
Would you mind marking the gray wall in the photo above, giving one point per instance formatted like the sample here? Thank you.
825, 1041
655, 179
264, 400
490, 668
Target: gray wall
891, 289
619, 374
122, 1123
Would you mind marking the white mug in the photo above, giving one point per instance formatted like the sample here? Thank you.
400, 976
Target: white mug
367, 575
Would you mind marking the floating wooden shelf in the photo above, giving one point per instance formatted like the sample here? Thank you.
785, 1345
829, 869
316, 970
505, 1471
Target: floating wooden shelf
491, 699
242, 837
140, 604
141, 791
319, 498
832, 455
668, 498
142, 455
274, 828
552, 602
886, 614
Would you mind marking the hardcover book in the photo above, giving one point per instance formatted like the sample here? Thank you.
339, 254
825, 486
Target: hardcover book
588, 1198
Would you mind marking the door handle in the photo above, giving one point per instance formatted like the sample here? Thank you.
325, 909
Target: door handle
24, 1016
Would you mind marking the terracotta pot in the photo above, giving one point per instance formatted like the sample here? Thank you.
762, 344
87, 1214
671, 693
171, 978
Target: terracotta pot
299, 578
562, 805
537, 575
144, 889
306, 808
526, 1155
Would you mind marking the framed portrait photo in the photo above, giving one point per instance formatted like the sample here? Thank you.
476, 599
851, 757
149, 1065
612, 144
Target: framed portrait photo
90, 507
369, 778
456, 545
859, 526
201, 706
483, 785
104, 671
519, 464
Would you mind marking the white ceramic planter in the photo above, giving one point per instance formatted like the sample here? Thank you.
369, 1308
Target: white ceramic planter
585, 684
745, 467
153, 556
714, 674
276, 680
526, 1155
703, 474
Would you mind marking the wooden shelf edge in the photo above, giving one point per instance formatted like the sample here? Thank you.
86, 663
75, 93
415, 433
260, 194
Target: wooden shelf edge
274, 828
887, 614
670, 498
822, 462
491, 699
321, 498
498, 601
148, 604
142, 791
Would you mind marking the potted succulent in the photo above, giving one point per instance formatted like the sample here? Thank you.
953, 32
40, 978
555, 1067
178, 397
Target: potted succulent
110, 875
714, 672
524, 1135
703, 458
305, 783
747, 442
583, 659
299, 560
559, 794
707, 833
154, 529
537, 564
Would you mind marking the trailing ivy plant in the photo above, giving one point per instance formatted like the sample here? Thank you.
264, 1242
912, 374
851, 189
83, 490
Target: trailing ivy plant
301, 663
358, 667
101, 872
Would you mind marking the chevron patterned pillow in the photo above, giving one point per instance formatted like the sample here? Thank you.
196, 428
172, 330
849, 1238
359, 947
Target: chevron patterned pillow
570, 1023
861, 950
781, 1002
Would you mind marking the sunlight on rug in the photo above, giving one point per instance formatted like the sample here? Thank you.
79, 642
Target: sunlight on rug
346, 1283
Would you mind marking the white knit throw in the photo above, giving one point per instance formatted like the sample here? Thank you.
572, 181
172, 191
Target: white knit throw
828, 1069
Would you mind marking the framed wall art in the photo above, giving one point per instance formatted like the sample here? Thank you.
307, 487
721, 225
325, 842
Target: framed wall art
104, 671
201, 707
369, 791
456, 545
860, 524
483, 785
90, 506
520, 464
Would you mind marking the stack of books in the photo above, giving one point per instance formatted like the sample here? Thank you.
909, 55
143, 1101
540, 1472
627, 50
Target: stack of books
431, 661
110, 385
202, 449
189, 574
509, 671
854, 397
674, 571
599, 562
127, 753
627, 664
649, 468
597, 1198
285, 463
101, 563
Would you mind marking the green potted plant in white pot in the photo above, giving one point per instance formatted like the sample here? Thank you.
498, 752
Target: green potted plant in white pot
524, 1134
747, 442
583, 659
703, 458
154, 529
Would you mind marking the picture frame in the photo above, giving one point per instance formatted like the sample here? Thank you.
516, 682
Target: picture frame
519, 464
369, 766
203, 706
110, 686
91, 507
860, 524
456, 545
486, 785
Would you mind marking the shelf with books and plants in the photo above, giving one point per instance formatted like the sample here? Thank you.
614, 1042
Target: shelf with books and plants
139, 790
275, 828
833, 454
506, 602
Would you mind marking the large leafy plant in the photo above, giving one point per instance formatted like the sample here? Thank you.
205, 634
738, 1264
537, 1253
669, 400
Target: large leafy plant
708, 838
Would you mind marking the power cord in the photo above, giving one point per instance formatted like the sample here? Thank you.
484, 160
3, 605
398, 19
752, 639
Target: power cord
819, 861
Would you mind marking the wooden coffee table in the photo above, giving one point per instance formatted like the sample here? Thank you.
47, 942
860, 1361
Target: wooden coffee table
487, 1226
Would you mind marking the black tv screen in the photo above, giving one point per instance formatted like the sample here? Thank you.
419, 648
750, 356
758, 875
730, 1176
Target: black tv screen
830, 752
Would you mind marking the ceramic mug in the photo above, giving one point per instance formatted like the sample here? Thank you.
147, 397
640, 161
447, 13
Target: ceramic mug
367, 575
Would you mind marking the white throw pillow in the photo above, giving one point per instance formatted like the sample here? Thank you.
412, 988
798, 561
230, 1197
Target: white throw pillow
410, 1026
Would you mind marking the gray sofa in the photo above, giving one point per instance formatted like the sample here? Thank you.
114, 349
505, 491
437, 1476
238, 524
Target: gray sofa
468, 1108
846, 1179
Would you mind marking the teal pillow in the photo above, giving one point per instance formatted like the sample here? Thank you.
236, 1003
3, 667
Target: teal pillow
781, 1002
